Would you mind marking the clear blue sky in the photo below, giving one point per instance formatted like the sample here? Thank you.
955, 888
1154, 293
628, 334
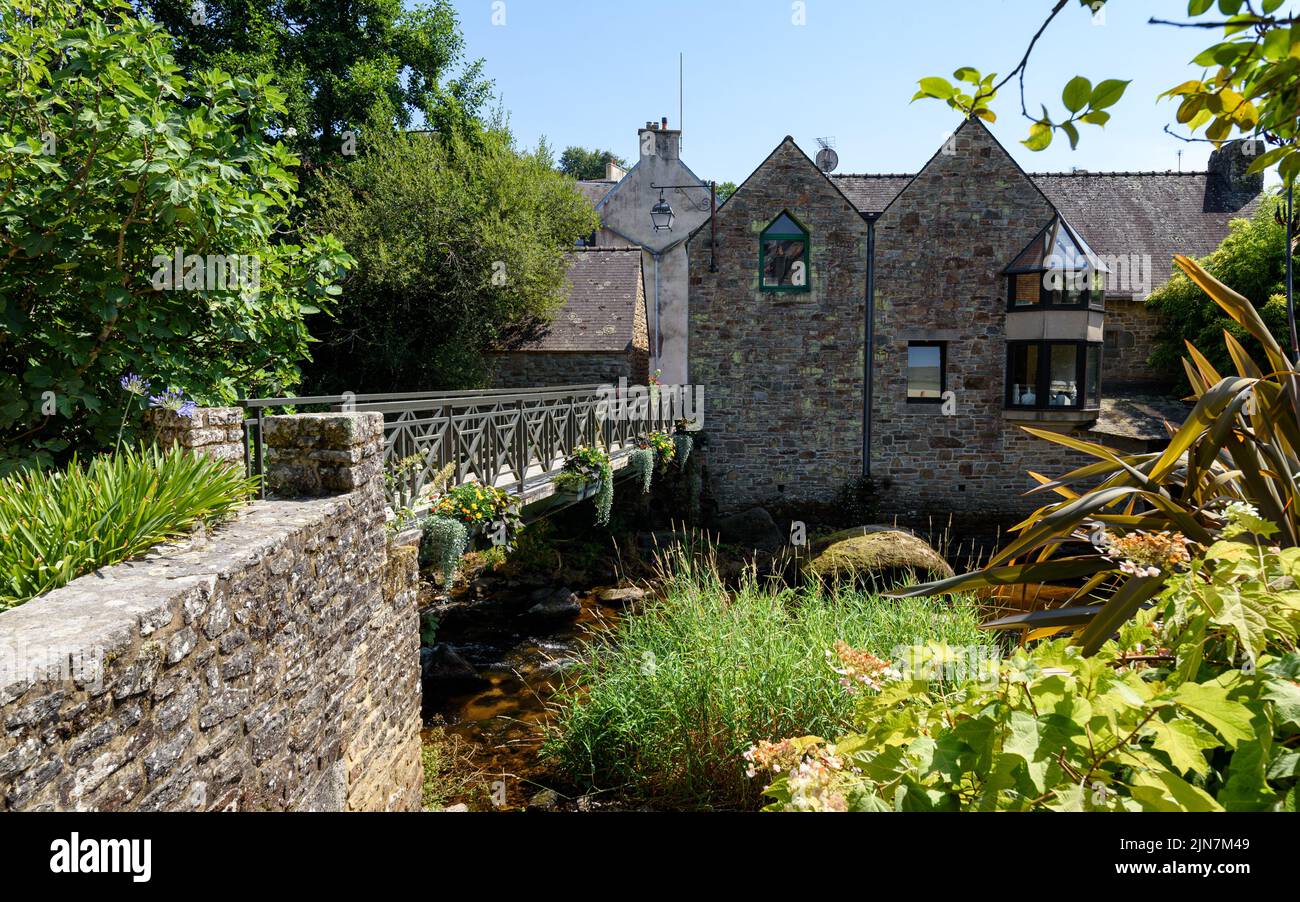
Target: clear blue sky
589, 73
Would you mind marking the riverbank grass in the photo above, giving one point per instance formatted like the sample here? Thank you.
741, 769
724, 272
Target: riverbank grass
662, 711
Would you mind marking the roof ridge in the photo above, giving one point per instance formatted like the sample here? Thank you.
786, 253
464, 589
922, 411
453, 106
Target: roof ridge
1083, 173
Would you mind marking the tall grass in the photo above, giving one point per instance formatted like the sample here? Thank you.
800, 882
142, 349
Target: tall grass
56, 525
662, 710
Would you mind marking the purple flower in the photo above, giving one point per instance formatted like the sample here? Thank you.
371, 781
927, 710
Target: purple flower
174, 401
135, 385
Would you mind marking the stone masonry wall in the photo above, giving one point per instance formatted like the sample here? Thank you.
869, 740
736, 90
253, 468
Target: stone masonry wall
781, 372
215, 431
1131, 330
941, 247
272, 665
534, 369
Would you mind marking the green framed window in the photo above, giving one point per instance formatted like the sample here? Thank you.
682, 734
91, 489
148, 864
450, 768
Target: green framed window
783, 255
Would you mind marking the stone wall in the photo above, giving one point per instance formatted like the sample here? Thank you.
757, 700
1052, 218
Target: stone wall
537, 369
941, 247
782, 372
215, 431
1131, 330
272, 665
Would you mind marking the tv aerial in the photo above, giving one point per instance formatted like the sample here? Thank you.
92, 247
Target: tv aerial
827, 158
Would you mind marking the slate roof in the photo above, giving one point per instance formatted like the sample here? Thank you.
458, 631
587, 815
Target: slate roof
871, 193
1147, 213
1140, 415
595, 190
600, 314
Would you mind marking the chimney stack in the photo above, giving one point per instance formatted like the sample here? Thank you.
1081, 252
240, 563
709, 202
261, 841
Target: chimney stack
657, 139
1229, 164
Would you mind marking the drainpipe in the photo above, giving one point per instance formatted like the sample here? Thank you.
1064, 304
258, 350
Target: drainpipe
655, 348
868, 352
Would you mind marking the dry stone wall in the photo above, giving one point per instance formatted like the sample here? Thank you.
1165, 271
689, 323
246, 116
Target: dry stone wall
272, 665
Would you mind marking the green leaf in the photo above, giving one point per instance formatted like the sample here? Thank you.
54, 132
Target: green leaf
1108, 93
1040, 136
936, 87
1076, 93
1230, 719
1185, 743
1163, 791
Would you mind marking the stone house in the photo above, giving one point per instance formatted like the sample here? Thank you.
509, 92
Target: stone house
569, 355
598, 337
991, 299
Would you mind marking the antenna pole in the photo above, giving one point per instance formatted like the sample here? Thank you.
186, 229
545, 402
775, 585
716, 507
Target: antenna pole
681, 96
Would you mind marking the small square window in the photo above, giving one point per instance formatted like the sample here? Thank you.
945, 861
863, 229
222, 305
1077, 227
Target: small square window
927, 363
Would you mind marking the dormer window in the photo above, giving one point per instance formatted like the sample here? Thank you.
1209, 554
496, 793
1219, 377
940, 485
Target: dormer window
783, 255
1057, 270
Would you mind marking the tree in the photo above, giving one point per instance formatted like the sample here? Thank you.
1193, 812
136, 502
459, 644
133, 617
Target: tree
588, 165
725, 190
1249, 87
452, 259
344, 67
1251, 260
114, 167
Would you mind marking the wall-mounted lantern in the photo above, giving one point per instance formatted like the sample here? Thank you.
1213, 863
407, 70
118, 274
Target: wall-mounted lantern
661, 214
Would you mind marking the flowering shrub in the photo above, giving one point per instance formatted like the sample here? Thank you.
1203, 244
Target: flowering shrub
485, 509
661, 443
1147, 554
1194, 707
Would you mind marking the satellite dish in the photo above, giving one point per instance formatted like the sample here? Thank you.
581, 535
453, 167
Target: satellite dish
827, 158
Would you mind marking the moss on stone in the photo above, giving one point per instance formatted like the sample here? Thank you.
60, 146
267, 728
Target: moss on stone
874, 554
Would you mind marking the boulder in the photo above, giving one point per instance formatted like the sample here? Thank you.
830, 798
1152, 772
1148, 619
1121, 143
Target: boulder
875, 555
621, 596
753, 530
561, 604
442, 665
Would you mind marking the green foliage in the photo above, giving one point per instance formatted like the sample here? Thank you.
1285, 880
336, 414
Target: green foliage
1195, 706
589, 466
642, 464
58, 525
725, 190
111, 161
665, 449
1251, 260
461, 248
1240, 445
1249, 86
406, 491
485, 510
588, 165
662, 709
366, 64
683, 443
442, 545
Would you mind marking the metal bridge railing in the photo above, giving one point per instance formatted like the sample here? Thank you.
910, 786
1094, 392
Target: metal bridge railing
509, 438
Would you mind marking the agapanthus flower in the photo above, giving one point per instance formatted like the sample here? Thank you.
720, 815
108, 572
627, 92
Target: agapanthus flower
174, 401
135, 385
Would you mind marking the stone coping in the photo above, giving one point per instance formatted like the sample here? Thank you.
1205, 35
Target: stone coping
104, 611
